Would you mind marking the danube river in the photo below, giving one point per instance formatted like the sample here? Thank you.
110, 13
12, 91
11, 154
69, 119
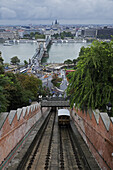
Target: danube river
58, 53
24, 51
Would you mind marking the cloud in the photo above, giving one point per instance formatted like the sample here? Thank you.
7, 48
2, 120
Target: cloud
57, 9
7, 13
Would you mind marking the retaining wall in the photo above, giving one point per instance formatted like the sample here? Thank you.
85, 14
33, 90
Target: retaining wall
14, 125
96, 129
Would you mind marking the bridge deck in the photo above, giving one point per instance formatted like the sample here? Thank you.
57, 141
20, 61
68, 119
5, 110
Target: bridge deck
54, 103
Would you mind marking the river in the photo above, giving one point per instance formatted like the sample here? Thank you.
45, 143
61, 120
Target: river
24, 51
58, 53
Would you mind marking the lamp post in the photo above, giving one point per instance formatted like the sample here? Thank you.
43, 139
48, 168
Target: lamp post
40, 98
109, 109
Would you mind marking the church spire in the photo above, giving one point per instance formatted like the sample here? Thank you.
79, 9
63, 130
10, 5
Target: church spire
56, 22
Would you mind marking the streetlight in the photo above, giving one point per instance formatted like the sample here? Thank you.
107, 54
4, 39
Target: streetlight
109, 109
40, 98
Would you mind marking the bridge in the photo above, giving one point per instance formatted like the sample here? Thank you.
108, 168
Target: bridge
55, 102
41, 50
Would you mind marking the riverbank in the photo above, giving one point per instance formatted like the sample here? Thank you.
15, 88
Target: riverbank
57, 66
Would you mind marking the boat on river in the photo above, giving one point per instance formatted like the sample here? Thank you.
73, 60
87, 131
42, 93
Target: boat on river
7, 44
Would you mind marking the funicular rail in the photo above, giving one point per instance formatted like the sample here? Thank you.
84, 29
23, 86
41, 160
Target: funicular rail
39, 158
70, 156
55, 147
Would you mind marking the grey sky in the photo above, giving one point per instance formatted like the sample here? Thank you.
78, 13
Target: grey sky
66, 11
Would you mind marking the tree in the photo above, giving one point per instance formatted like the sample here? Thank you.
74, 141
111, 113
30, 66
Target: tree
17, 89
68, 61
27, 36
32, 35
25, 63
74, 61
39, 36
15, 60
91, 84
1, 59
62, 36
3, 97
30, 83
56, 80
13, 91
56, 36
1, 64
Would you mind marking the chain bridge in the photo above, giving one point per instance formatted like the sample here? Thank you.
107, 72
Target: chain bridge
41, 50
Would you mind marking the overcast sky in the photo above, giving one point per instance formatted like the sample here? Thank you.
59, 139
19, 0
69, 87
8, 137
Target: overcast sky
65, 11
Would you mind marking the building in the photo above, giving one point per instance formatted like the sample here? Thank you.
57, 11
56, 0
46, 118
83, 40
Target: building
6, 35
105, 33
90, 32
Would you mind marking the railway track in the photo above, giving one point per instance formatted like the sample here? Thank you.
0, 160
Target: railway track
55, 148
39, 158
70, 158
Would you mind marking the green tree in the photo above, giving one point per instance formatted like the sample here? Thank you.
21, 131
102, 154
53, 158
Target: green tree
68, 61
56, 35
15, 60
27, 36
62, 36
32, 35
3, 97
30, 83
39, 36
91, 84
75, 61
1, 64
17, 89
56, 80
13, 91
36, 36
25, 63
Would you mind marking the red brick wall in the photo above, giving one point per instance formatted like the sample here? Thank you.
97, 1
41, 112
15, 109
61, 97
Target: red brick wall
96, 136
11, 134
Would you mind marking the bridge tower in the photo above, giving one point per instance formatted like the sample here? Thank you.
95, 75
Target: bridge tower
42, 46
48, 37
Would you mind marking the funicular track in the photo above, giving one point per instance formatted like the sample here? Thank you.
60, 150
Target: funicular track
55, 148
70, 157
39, 158
41, 145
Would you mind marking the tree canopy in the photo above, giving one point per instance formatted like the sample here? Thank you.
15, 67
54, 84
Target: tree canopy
68, 61
91, 85
16, 90
15, 60
1, 64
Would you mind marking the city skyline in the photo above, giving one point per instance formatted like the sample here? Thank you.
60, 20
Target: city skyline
46, 11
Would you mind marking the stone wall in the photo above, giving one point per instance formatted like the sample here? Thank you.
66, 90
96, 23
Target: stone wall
96, 129
14, 125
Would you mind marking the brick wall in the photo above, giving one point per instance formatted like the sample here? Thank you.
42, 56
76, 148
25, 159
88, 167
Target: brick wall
14, 125
97, 131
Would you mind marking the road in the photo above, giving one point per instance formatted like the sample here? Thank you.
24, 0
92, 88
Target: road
46, 80
63, 86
